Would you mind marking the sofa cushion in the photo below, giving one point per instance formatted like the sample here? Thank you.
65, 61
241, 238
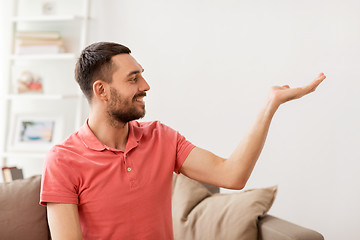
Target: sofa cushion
21, 215
199, 214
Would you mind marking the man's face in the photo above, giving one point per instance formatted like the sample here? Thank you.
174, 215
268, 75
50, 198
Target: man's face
127, 90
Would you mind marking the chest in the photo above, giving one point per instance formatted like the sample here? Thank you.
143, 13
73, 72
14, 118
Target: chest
145, 172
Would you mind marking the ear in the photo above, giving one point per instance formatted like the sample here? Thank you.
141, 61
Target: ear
101, 90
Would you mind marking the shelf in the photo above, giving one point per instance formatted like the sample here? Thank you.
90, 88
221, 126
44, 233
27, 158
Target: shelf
59, 56
40, 96
22, 155
54, 67
46, 18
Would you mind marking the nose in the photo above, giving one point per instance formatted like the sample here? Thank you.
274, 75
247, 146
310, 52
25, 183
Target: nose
144, 86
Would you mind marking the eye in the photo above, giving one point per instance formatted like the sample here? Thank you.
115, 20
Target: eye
134, 79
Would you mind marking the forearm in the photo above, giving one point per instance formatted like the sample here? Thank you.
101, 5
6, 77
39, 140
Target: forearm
242, 161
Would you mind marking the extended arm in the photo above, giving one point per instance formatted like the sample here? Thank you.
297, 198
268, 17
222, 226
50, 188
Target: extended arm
64, 221
234, 172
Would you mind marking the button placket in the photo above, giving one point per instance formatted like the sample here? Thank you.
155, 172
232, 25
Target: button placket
130, 171
127, 164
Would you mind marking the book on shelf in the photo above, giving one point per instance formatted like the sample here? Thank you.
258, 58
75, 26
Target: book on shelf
38, 43
31, 42
12, 173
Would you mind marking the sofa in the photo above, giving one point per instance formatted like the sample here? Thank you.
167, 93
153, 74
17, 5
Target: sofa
199, 212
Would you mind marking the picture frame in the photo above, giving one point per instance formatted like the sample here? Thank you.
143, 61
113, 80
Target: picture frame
36, 133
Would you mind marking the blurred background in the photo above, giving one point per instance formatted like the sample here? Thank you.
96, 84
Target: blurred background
210, 65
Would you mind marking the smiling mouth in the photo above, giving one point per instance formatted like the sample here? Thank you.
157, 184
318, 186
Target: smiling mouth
140, 100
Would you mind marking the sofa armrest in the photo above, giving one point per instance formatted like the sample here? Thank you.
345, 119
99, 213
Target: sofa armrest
273, 228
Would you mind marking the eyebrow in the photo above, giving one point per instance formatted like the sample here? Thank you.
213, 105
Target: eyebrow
135, 72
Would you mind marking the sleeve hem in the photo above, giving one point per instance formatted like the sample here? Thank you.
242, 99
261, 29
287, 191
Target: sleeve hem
184, 154
57, 199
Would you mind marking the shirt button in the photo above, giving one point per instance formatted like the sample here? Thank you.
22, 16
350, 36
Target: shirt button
129, 169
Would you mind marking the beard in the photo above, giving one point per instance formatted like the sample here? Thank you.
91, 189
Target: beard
123, 110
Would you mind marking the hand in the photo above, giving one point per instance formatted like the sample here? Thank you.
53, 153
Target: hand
280, 95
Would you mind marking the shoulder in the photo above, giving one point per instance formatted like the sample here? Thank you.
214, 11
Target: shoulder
71, 146
154, 127
71, 143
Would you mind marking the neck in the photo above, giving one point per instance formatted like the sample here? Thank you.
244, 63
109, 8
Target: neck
110, 132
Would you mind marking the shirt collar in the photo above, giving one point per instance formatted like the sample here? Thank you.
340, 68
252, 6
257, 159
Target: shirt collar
92, 142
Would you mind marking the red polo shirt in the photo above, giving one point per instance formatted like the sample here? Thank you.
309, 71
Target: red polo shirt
120, 195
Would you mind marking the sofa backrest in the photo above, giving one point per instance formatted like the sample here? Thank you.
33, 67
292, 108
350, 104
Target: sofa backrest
22, 217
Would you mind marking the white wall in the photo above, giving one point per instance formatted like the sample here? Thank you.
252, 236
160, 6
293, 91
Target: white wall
210, 65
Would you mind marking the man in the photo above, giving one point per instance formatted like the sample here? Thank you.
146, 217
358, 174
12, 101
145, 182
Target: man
112, 179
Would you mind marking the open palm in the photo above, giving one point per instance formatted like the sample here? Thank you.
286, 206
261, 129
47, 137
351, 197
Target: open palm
285, 93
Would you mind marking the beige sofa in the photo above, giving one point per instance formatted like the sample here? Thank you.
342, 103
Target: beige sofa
23, 218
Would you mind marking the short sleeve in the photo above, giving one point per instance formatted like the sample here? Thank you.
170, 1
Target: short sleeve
183, 148
58, 183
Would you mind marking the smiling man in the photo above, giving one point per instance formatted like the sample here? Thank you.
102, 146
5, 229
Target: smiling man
112, 178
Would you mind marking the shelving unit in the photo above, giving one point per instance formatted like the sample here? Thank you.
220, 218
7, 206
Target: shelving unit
61, 97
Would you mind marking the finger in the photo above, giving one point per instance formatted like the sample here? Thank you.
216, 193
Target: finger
315, 83
320, 77
286, 86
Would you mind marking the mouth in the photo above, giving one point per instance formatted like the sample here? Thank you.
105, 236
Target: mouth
140, 100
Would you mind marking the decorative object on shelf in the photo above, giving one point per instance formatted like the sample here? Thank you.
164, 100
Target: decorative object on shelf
12, 173
39, 43
48, 7
35, 132
29, 83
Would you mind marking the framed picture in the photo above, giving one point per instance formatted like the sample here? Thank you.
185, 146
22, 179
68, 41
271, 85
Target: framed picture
31, 132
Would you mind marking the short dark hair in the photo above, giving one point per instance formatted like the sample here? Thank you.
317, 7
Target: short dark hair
95, 63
